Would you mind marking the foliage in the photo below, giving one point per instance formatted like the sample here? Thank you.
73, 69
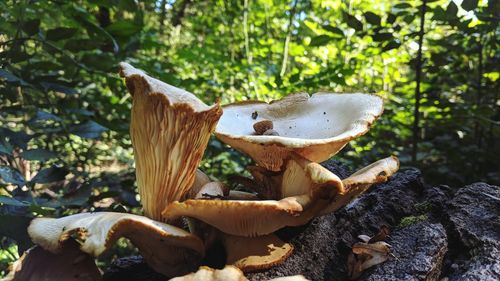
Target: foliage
64, 112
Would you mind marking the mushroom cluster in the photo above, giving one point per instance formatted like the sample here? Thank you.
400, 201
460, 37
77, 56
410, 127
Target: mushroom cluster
170, 129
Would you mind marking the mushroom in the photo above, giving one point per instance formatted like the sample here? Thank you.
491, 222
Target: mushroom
167, 249
360, 181
255, 253
307, 190
315, 127
228, 273
169, 129
38, 264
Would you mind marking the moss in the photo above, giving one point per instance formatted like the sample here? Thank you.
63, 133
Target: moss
423, 207
406, 221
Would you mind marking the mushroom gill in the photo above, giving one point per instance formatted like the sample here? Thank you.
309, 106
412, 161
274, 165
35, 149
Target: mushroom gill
315, 127
167, 249
169, 129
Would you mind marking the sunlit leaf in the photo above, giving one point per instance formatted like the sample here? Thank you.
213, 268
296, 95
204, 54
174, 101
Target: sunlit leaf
320, 40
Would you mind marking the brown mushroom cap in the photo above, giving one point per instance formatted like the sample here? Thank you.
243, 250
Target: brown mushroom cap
169, 129
205, 273
70, 264
316, 127
228, 273
167, 249
360, 181
256, 253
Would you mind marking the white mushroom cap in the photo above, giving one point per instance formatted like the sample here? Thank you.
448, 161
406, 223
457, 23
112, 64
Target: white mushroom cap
169, 129
167, 249
315, 127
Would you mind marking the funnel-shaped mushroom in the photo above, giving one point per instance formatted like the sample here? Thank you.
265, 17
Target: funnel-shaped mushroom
169, 129
315, 127
311, 190
167, 249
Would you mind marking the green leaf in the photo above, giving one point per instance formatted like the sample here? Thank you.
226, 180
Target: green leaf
44, 115
15, 227
76, 45
123, 28
60, 33
31, 27
334, 30
372, 18
383, 36
13, 202
5, 148
11, 77
451, 10
11, 175
89, 129
393, 44
469, 5
49, 175
38, 154
58, 88
353, 22
402, 6
391, 18
320, 40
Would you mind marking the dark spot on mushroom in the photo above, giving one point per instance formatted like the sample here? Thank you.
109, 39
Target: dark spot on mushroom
255, 115
262, 126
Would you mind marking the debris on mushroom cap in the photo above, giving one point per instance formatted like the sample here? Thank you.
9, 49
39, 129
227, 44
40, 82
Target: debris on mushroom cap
316, 127
169, 130
262, 126
167, 249
38, 264
228, 273
366, 255
255, 253
360, 181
